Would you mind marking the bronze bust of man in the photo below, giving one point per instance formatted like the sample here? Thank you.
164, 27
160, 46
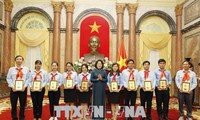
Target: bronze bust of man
94, 44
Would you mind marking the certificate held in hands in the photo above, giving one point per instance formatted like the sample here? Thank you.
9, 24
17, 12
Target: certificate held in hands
85, 86
53, 86
131, 85
147, 85
163, 84
36, 85
19, 85
114, 86
68, 84
185, 87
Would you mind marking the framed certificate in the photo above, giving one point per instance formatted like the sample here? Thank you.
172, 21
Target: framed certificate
114, 86
131, 85
147, 85
185, 87
68, 84
19, 85
36, 85
85, 86
53, 86
163, 84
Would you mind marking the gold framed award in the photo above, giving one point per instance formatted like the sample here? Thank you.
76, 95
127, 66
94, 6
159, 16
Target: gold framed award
85, 86
53, 85
114, 86
36, 85
185, 87
68, 84
19, 85
132, 85
163, 84
147, 85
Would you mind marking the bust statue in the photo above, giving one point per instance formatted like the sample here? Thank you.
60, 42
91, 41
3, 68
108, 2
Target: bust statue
94, 44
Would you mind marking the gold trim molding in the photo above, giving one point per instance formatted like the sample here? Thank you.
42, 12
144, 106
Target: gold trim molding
120, 7
132, 8
57, 6
69, 6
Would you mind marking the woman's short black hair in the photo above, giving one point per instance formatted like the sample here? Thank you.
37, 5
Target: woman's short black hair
161, 60
19, 56
54, 62
130, 60
101, 63
69, 63
38, 62
83, 66
146, 62
118, 71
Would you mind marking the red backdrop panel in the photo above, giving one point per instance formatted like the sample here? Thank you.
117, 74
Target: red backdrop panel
85, 34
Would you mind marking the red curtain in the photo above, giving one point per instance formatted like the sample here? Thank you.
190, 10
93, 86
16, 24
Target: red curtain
102, 32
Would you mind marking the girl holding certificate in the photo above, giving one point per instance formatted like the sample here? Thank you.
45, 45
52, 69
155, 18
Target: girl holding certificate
17, 79
99, 79
83, 87
37, 82
70, 81
114, 84
55, 81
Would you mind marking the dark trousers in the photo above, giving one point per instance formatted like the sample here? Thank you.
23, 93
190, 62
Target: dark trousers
187, 99
22, 100
146, 97
130, 96
37, 99
162, 97
54, 97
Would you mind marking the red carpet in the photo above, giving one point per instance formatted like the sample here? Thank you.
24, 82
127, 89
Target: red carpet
6, 115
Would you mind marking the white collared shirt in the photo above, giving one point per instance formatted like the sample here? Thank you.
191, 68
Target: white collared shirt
58, 77
44, 78
80, 78
179, 77
11, 76
125, 77
151, 77
73, 77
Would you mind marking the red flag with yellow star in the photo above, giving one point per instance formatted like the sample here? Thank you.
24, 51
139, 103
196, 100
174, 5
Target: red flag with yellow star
94, 26
121, 60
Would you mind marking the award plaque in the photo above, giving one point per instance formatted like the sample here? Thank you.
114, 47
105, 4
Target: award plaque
85, 86
36, 85
163, 84
53, 86
19, 85
185, 87
147, 85
68, 84
114, 86
131, 85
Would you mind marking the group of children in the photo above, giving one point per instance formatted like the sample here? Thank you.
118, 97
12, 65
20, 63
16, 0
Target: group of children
20, 72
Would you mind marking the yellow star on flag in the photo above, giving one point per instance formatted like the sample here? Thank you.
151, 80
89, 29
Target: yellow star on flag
95, 27
122, 62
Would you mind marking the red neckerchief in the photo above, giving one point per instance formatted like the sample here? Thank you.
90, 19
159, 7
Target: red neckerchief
19, 73
53, 76
162, 74
68, 75
186, 76
114, 77
146, 74
84, 77
38, 74
131, 76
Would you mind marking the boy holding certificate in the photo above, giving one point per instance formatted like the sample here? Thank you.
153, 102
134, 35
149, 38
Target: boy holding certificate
37, 81
70, 81
54, 83
147, 86
115, 85
163, 83
131, 81
17, 79
186, 81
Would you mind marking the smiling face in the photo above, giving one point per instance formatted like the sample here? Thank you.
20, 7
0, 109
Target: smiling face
69, 67
19, 60
99, 65
54, 67
186, 65
38, 66
94, 44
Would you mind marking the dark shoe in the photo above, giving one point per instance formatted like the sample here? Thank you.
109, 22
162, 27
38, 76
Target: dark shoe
166, 117
160, 117
149, 117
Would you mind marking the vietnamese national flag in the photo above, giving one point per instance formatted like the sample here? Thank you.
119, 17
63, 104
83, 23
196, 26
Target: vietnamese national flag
121, 60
